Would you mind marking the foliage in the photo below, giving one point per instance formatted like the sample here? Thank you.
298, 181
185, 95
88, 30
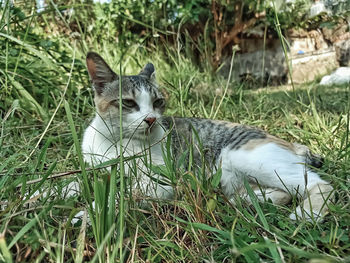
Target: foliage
25, 54
218, 24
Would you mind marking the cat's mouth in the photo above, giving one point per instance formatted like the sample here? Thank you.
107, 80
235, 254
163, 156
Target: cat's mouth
143, 132
139, 131
151, 128
147, 131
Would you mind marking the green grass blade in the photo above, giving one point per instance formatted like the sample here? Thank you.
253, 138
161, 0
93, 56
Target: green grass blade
101, 248
111, 216
25, 96
5, 251
86, 189
42, 181
256, 205
32, 49
255, 202
121, 171
81, 240
28, 226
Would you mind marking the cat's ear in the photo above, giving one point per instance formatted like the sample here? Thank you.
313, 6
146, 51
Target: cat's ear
99, 71
149, 72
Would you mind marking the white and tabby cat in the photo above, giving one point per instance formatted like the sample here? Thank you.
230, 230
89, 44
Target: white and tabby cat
280, 167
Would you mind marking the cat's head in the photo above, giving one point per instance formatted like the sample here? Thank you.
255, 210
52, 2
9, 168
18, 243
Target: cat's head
142, 102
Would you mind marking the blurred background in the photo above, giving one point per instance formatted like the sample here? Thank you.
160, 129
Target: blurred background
274, 42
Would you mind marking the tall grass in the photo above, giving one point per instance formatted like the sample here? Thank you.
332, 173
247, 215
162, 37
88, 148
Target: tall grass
40, 152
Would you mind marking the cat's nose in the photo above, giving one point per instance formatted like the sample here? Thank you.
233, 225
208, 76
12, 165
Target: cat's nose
150, 120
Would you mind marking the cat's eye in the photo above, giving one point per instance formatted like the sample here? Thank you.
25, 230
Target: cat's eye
128, 103
158, 103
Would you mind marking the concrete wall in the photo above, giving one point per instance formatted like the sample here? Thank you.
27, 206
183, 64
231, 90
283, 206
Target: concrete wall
310, 55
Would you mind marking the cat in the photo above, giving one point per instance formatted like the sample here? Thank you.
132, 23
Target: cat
275, 169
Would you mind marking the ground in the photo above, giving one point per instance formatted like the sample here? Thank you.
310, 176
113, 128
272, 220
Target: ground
200, 226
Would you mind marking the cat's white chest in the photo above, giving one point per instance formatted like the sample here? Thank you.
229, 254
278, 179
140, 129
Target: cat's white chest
99, 145
145, 152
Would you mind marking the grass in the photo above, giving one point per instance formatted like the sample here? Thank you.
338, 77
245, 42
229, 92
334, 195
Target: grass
199, 225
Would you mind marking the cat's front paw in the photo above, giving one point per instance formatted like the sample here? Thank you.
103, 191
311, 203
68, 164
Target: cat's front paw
306, 214
81, 214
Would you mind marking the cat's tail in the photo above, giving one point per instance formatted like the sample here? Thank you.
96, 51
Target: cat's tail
311, 159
